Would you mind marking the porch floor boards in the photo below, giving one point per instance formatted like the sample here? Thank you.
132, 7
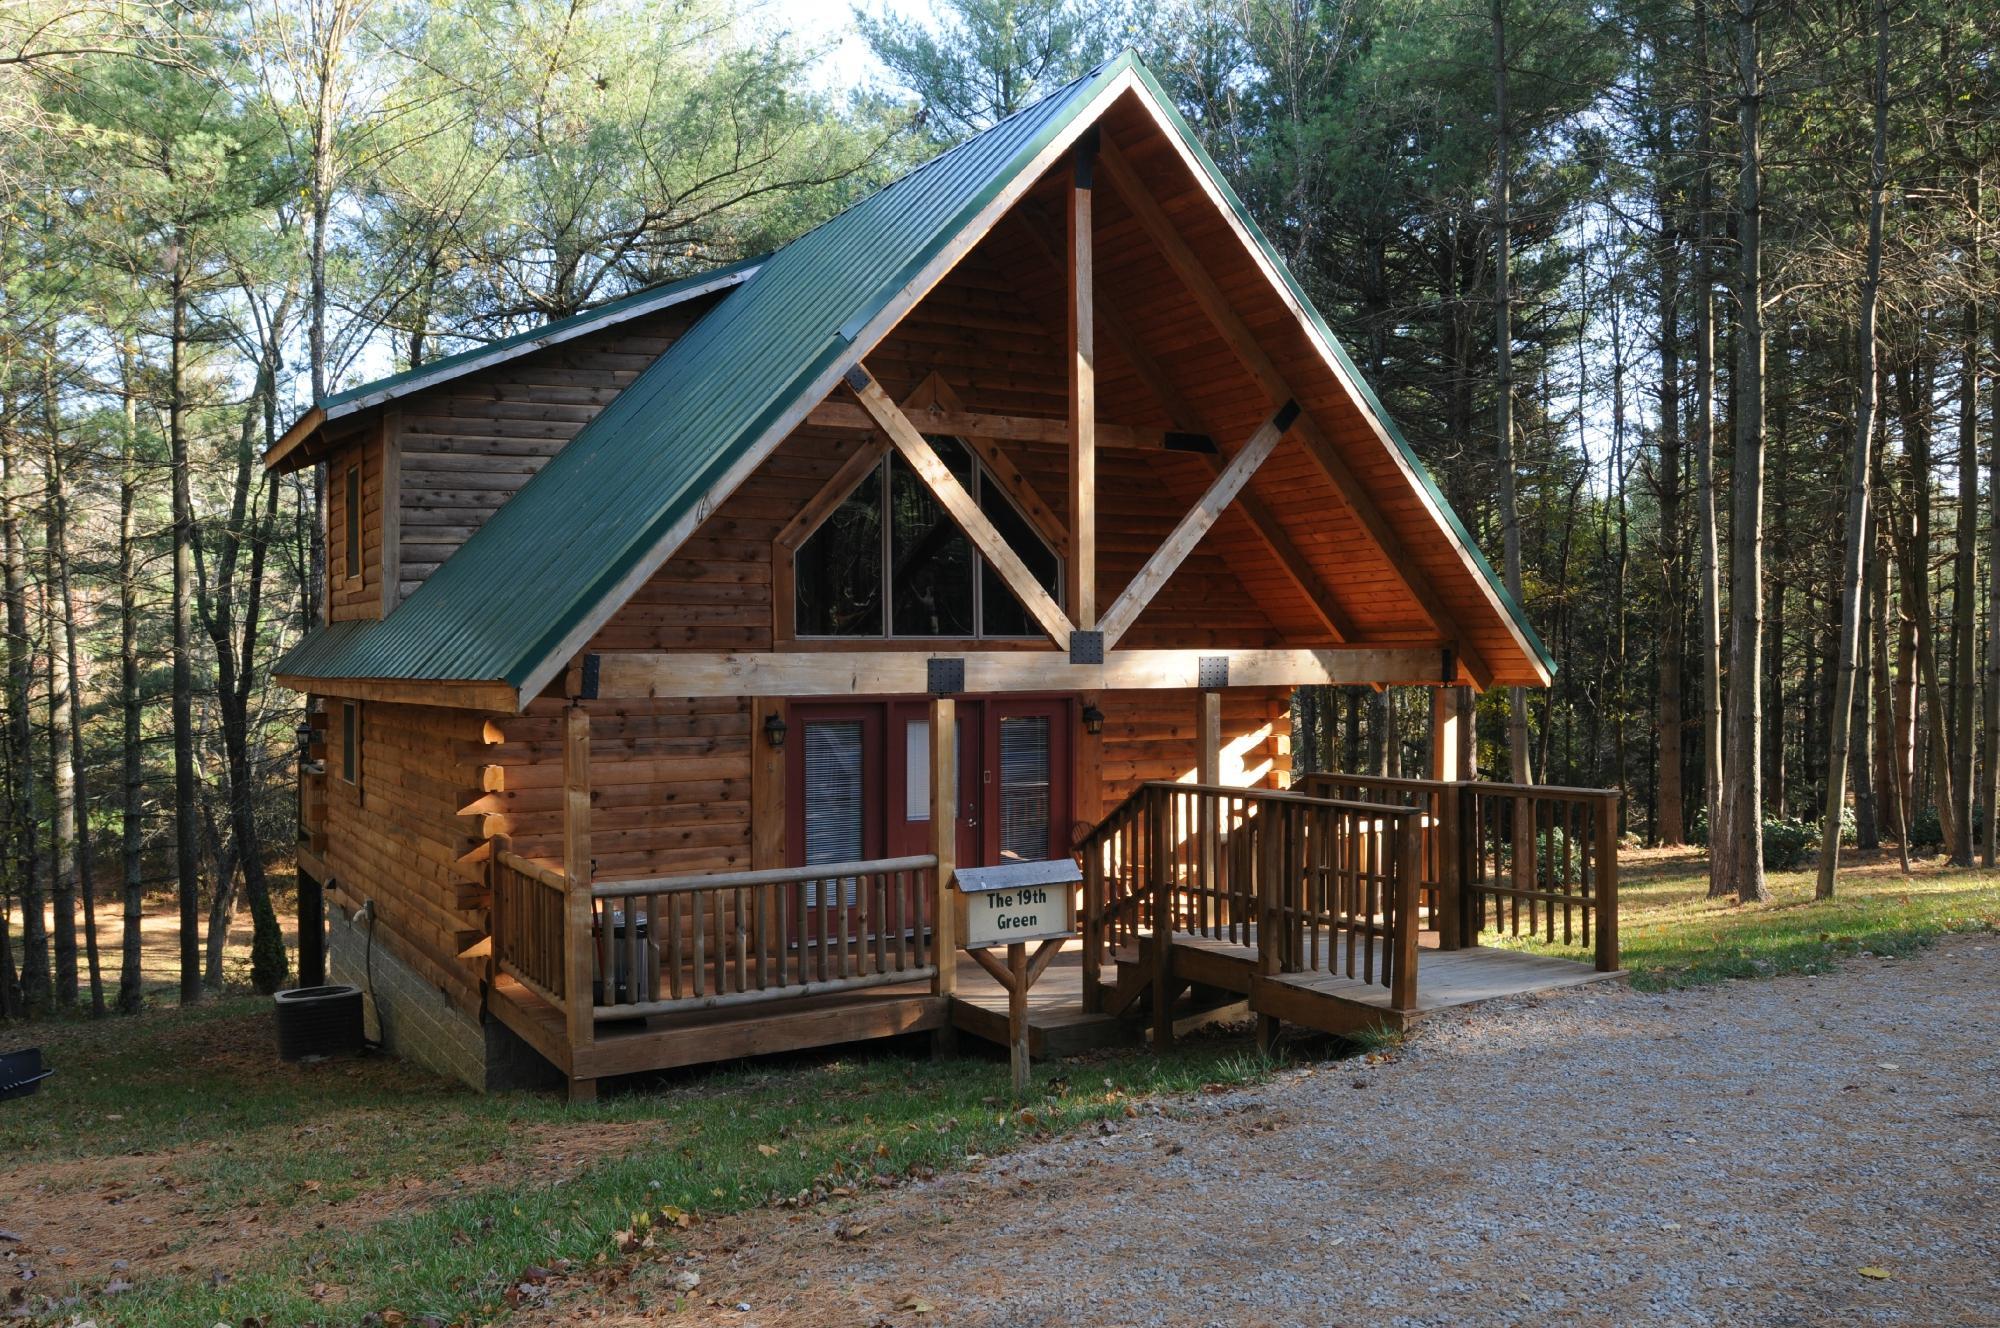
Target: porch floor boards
1334, 1003
1057, 1023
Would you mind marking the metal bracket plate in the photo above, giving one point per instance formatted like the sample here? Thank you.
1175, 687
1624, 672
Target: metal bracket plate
1211, 672
945, 677
1086, 647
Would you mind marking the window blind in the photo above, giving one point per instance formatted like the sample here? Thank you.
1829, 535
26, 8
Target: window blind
835, 797
1024, 787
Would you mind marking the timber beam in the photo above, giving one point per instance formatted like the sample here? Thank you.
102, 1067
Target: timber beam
1189, 421
1034, 429
951, 495
798, 674
1208, 509
1081, 341
1194, 276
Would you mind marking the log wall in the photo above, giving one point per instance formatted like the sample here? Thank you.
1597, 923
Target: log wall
669, 785
396, 836
469, 445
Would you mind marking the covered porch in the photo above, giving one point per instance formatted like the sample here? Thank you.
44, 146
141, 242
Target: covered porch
1341, 904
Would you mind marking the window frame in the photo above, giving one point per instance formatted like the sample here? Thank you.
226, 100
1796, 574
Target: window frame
881, 475
350, 744
351, 562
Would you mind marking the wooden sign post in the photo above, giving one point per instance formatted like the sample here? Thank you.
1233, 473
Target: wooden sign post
1013, 905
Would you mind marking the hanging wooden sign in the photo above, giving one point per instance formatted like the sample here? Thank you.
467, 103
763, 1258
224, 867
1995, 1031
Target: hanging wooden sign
1017, 902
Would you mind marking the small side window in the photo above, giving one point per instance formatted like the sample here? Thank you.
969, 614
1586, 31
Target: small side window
350, 742
353, 553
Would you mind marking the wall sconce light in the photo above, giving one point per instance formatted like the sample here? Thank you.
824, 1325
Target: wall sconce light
1093, 720
304, 734
775, 729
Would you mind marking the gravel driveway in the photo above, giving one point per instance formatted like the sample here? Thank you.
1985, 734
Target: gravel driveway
1800, 1151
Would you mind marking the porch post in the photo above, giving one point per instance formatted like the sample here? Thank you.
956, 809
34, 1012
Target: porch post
1208, 770
1607, 883
1450, 827
944, 843
1409, 854
1082, 564
1089, 810
1444, 735
767, 784
579, 947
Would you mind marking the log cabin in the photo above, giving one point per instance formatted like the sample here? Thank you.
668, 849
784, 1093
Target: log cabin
677, 656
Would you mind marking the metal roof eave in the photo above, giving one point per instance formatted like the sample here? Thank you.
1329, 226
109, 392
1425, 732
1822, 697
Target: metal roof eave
283, 455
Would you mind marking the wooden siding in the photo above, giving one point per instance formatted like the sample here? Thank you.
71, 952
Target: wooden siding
396, 836
470, 444
669, 786
725, 589
1154, 735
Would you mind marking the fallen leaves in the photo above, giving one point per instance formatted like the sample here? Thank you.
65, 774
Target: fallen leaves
1875, 1273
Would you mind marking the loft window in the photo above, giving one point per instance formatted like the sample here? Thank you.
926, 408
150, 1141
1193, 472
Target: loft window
890, 561
350, 741
353, 552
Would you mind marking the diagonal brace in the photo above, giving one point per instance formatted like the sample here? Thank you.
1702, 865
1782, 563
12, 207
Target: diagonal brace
937, 477
1173, 551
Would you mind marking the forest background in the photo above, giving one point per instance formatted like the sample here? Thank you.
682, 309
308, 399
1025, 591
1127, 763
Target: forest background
1689, 305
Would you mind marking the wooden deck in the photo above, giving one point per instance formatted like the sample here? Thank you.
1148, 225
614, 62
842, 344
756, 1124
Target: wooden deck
1332, 1003
1057, 1022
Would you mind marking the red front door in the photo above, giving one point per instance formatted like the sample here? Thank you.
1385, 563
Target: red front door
859, 780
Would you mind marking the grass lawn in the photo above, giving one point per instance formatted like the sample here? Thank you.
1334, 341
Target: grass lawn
1672, 935
181, 1175
174, 1172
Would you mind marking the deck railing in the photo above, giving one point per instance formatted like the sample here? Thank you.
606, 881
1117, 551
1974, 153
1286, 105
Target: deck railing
683, 943
530, 932
1526, 859
674, 944
1313, 884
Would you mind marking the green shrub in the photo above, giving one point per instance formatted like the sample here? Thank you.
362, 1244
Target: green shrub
1789, 844
1927, 831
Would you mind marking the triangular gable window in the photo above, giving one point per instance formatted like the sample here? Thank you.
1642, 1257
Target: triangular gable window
890, 562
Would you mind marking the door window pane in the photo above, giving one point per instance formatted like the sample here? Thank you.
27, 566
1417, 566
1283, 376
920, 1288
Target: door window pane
1024, 788
917, 770
931, 560
835, 797
838, 571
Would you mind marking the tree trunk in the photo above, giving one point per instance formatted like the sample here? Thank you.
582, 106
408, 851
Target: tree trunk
1860, 518
1669, 828
1964, 598
1746, 592
187, 840
1989, 794
25, 867
1707, 536
131, 973
1519, 752
64, 739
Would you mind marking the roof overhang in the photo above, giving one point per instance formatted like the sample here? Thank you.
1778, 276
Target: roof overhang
310, 438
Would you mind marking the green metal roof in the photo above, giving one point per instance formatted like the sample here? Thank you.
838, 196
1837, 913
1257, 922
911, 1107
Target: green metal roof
446, 367
503, 606
504, 603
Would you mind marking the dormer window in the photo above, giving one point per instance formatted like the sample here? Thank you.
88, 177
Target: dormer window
890, 562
